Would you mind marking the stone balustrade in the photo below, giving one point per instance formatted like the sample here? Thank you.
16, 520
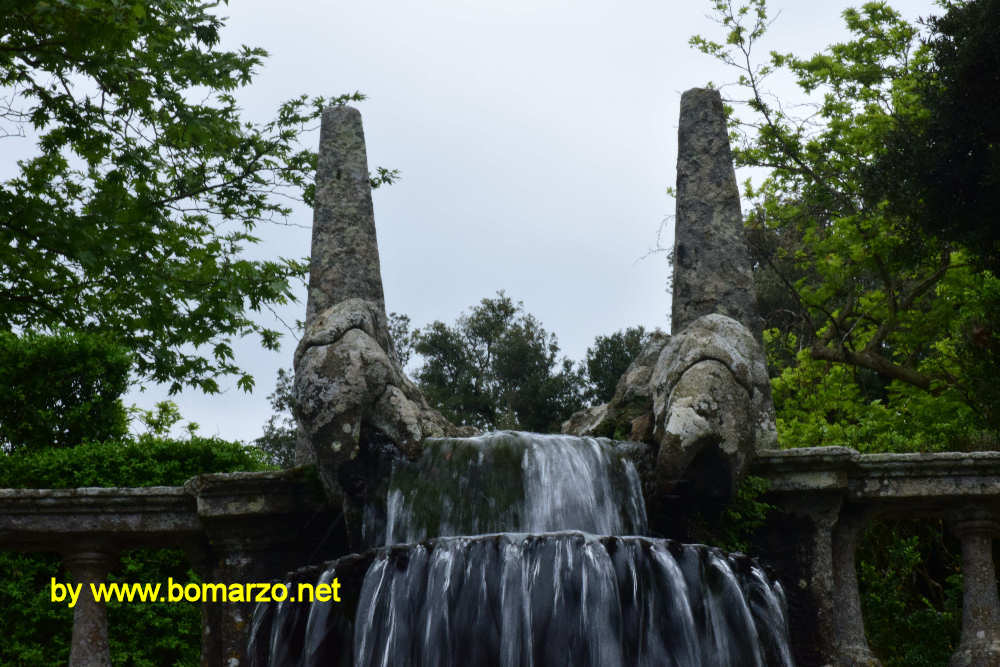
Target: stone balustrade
250, 527
235, 528
828, 495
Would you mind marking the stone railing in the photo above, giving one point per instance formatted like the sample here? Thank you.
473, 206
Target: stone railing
828, 495
234, 528
249, 527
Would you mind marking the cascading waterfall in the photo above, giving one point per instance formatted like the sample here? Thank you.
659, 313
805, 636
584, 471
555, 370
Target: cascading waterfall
565, 588
513, 481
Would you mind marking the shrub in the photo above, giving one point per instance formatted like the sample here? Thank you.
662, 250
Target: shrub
60, 390
37, 631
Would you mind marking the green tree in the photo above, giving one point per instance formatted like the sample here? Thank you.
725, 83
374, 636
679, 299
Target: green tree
402, 337
497, 367
857, 283
874, 314
494, 369
60, 390
281, 430
941, 162
941, 169
146, 185
608, 359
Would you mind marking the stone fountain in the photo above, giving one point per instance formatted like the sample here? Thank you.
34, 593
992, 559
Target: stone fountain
413, 495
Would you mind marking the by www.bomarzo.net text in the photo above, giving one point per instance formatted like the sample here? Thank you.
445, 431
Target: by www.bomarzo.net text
173, 591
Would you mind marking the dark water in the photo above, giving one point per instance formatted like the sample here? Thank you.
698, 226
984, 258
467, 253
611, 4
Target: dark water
533, 598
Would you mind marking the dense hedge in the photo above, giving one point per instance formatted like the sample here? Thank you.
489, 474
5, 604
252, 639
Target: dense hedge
60, 390
145, 461
36, 631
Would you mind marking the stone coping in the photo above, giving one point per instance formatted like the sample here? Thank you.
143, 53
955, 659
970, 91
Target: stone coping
154, 516
929, 481
58, 519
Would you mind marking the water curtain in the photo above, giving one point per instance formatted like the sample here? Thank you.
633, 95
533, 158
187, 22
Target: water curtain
515, 549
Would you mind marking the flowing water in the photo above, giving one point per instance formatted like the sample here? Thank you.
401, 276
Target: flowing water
561, 587
517, 482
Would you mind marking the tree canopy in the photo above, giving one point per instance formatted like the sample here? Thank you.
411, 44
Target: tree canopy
941, 162
874, 238
846, 277
497, 367
146, 183
608, 359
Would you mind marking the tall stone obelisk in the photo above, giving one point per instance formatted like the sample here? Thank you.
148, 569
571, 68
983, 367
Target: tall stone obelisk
350, 389
712, 407
712, 270
345, 261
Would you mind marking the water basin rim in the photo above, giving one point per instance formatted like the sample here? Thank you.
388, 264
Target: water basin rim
519, 537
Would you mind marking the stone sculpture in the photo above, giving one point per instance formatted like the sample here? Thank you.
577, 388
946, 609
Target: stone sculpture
702, 396
349, 386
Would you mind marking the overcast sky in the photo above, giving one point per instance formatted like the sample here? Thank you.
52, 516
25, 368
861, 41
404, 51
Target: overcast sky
535, 140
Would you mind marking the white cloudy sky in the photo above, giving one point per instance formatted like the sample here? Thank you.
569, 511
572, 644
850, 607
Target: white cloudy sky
535, 138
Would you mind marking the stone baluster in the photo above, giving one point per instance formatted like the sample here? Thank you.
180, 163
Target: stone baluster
798, 545
203, 563
89, 646
236, 562
852, 645
980, 642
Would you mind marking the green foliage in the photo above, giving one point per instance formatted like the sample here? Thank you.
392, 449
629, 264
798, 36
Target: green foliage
940, 166
608, 359
145, 461
734, 529
871, 235
820, 403
37, 631
450, 374
846, 276
401, 336
163, 417
281, 431
497, 367
60, 390
911, 593
132, 216
745, 514
170, 632
859, 289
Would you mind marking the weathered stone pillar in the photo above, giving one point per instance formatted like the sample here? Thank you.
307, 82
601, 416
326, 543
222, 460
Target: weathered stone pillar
234, 560
211, 624
255, 527
712, 270
980, 643
232, 620
798, 545
852, 645
344, 262
89, 646
810, 487
350, 389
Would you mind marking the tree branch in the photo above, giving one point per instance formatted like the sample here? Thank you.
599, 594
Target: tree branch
872, 361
